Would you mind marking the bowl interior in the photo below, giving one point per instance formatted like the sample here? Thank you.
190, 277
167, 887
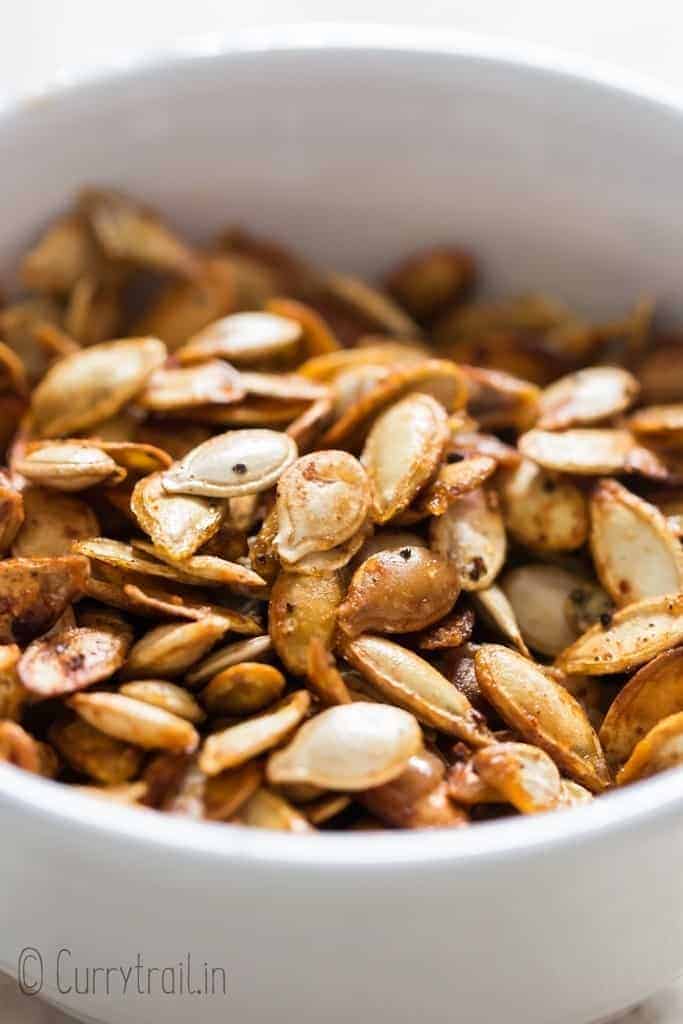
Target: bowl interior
356, 154
360, 153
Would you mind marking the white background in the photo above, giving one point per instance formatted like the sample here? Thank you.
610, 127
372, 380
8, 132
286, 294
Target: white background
41, 40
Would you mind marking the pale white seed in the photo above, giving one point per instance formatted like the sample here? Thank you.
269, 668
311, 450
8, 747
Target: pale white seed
348, 747
231, 464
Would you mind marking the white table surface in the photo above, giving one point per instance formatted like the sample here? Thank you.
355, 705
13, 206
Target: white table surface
42, 40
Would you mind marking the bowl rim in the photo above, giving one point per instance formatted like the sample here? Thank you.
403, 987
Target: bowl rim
657, 801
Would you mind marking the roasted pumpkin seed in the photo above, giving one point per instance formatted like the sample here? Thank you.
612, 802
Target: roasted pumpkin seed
399, 592
322, 501
471, 536
543, 712
411, 682
72, 659
135, 722
402, 452
524, 776
239, 743
630, 637
232, 464
348, 747
635, 553
85, 388
659, 750
304, 478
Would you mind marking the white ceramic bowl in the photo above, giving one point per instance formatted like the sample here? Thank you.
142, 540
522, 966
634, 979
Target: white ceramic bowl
360, 145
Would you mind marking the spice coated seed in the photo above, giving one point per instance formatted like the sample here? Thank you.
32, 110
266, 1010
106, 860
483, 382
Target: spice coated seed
283, 549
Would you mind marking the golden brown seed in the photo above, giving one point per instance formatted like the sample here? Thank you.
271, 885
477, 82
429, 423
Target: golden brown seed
322, 501
430, 281
635, 553
417, 798
35, 591
89, 386
372, 305
268, 810
243, 689
589, 452
183, 307
585, 397
324, 679
92, 753
72, 659
659, 750
207, 569
12, 512
225, 793
121, 559
659, 424
468, 443
348, 747
317, 337
451, 481
238, 462
309, 424
499, 400
69, 466
60, 256
327, 807
351, 385
176, 785
436, 377
233, 654
631, 637
52, 522
239, 743
660, 373
156, 602
410, 681
302, 607
177, 523
499, 613
169, 650
167, 696
130, 232
93, 312
242, 338
285, 386
135, 456
543, 712
655, 692
210, 383
574, 795
135, 722
524, 776
326, 367
402, 452
543, 511
471, 536
399, 592
17, 747
13, 694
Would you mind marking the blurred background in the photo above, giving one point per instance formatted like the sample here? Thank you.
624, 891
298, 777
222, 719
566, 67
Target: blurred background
41, 39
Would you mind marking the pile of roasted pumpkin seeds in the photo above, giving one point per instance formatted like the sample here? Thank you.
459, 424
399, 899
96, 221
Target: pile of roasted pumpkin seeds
297, 552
